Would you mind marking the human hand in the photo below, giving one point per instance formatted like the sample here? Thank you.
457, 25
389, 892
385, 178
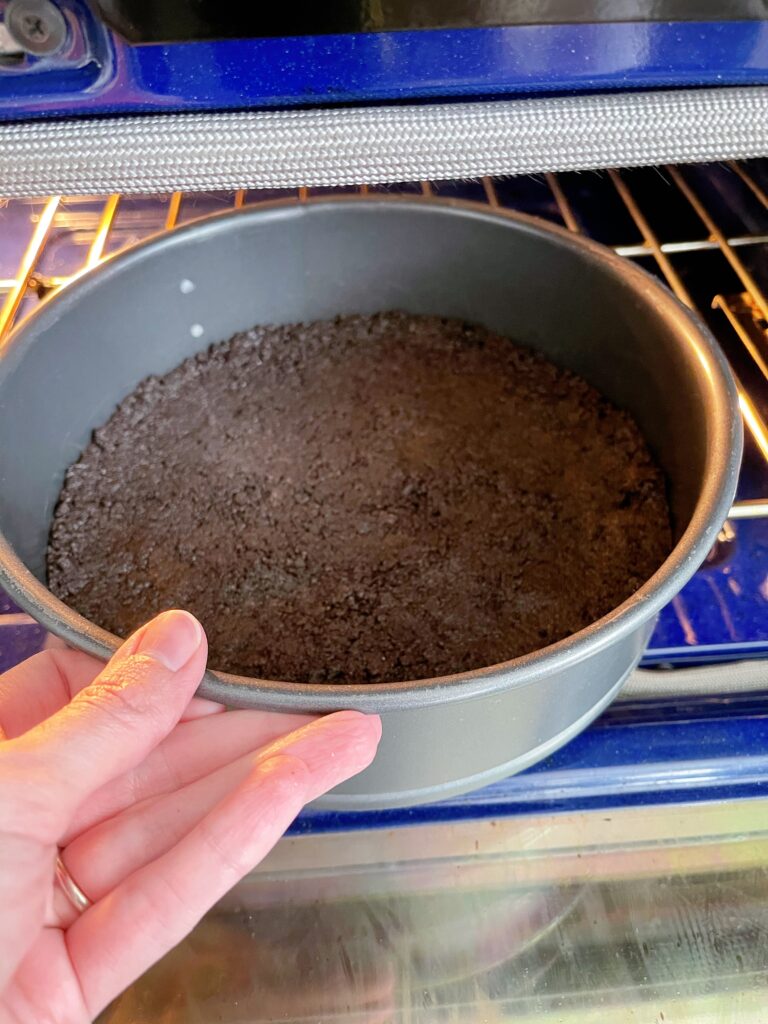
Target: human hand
158, 803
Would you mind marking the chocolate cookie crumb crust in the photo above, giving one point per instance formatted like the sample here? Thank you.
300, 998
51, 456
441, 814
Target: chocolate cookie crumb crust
371, 499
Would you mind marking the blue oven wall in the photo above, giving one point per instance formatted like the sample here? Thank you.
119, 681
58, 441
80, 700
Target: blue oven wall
101, 74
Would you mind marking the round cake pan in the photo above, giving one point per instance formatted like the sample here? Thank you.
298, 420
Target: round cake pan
67, 366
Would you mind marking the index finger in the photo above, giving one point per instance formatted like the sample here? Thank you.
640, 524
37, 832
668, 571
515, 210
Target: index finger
114, 721
37, 688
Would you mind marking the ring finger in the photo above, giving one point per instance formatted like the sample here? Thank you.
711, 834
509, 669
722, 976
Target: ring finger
100, 858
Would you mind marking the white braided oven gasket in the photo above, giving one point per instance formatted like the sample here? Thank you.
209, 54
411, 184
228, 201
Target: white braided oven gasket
379, 145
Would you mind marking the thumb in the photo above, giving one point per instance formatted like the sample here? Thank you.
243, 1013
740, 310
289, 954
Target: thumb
112, 724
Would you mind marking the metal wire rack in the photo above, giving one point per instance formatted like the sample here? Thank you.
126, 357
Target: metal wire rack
93, 228
702, 229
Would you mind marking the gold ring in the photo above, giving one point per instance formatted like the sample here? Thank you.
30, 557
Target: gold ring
70, 888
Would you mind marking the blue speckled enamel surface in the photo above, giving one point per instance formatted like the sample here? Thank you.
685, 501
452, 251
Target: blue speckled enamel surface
723, 612
99, 73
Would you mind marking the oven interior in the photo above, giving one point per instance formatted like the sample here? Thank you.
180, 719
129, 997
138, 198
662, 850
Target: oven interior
703, 230
646, 875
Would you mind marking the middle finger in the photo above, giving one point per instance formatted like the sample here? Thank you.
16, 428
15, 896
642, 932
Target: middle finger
103, 856
194, 749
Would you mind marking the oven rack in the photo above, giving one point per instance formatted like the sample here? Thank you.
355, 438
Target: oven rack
76, 216
702, 229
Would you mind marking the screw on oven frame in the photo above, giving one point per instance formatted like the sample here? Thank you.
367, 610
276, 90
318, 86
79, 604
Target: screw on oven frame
37, 26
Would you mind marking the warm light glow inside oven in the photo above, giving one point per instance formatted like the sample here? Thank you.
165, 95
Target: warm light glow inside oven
28, 279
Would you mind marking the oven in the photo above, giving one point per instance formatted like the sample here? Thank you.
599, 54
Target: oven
624, 876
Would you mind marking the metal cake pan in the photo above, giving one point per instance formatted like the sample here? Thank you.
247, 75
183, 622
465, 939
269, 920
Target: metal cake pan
65, 368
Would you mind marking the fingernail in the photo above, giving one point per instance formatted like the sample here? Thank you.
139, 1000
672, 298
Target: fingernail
172, 638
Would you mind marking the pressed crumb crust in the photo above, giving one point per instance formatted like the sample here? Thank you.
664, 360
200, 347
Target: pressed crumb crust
370, 499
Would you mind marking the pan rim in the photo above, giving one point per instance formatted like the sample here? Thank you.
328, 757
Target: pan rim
712, 506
